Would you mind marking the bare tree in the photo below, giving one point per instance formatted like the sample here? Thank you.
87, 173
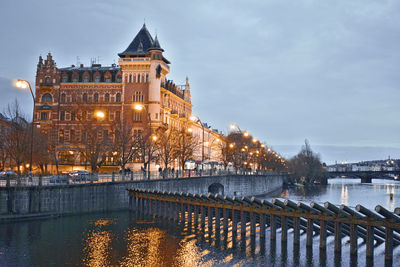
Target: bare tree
306, 166
166, 144
125, 143
186, 144
94, 142
42, 150
16, 137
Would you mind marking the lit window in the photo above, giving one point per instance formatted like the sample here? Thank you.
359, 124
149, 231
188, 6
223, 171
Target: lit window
137, 116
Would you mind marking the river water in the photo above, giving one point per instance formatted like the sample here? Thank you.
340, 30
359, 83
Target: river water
124, 239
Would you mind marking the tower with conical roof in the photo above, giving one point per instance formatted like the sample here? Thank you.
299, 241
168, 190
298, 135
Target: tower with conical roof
143, 68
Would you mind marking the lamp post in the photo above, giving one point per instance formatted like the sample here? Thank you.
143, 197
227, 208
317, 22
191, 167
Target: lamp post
197, 120
24, 84
140, 107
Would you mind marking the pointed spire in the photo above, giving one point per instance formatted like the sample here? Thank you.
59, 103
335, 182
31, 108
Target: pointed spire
156, 45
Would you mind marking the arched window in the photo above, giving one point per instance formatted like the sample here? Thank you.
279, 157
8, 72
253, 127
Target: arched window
119, 79
118, 97
108, 79
86, 79
147, 78
85, 99
97, 79
107, 97
62, 100
130, 78
75, 79
96, 97
47, 98
138, 78
65, 79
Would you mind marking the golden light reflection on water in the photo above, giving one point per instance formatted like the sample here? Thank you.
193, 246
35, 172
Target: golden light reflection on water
97, 249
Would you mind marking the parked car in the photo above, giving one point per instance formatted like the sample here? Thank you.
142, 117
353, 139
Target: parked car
4, 174
82, 175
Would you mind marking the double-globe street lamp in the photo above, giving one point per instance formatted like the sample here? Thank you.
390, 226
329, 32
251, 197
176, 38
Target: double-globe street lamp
141, 107
23, 84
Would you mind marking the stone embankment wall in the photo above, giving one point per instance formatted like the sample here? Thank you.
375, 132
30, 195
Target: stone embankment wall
37, 201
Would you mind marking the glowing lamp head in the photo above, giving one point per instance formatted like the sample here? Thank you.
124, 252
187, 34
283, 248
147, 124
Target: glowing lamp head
190, 130
245, 134
21, 84
138, 107
154, 138
100, 114
193, 118
231, 145
262, 145
255, 140
206, 143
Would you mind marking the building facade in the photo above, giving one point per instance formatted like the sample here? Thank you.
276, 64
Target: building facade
69, 98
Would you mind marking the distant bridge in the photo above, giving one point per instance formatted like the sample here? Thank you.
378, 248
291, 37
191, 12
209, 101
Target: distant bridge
365, 176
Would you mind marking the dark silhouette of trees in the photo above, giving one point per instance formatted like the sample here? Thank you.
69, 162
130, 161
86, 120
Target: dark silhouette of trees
306, 166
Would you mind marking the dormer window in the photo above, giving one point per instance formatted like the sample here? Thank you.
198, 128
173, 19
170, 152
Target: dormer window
97, 79
86, 79
65, 79
75, 79
119, 79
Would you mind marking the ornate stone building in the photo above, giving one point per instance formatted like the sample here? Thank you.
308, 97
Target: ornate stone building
67, 97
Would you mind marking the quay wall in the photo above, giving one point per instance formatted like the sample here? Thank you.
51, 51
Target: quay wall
37, 201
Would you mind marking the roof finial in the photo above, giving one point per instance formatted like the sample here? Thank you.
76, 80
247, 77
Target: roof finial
144, 22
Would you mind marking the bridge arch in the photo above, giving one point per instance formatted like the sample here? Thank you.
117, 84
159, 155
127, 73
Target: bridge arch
216, 188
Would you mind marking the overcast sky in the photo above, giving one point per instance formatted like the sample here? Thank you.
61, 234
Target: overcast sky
327, 71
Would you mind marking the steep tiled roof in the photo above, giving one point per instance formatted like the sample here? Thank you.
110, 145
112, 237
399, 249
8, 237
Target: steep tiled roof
140, 44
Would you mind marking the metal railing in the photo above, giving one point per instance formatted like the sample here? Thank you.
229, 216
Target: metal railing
316, 221
52, 180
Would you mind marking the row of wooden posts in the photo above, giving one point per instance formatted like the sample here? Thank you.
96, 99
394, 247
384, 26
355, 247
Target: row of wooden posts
374, 227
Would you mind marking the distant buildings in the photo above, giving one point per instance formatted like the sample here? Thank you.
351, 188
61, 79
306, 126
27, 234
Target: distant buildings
364, 166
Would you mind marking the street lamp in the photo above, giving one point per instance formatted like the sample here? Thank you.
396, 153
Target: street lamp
23, 84
140, 107
197, 120
100, 114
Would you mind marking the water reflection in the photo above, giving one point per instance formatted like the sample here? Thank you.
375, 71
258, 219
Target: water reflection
121, 239
97, 249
